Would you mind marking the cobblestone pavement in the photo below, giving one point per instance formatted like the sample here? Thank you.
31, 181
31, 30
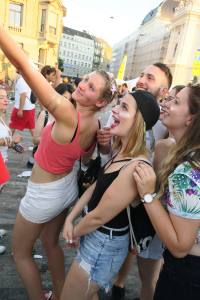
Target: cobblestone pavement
11, 287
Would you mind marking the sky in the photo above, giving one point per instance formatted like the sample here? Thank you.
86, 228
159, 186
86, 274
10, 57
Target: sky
111, 20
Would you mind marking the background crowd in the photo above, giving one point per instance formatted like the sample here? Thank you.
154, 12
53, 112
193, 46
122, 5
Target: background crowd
145, 201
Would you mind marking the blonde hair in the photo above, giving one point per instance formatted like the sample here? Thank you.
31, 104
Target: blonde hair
188, 148
137, 138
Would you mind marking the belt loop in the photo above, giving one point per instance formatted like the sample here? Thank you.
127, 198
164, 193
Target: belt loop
111, 235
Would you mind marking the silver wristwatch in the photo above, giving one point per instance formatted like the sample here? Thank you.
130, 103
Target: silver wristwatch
148, 198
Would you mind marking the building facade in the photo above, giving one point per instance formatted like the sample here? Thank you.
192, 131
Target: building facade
82, 53
184, 41
76, 49
102, 55
169, 34
37, 26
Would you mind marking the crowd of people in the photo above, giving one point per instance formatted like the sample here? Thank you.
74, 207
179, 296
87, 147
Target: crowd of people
152, 140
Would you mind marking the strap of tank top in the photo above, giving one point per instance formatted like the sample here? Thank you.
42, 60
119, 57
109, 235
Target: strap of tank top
136, 159
46, 118
77, 128
98, 150
134, 244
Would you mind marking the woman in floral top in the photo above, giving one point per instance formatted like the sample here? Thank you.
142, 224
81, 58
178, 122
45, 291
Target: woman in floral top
177, 218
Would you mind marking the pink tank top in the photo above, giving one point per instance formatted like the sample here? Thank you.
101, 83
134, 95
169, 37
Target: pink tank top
58, 158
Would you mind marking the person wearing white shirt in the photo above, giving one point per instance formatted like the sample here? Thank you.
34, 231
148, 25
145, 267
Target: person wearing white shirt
23, 113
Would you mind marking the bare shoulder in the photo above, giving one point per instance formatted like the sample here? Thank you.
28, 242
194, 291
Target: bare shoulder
88, 131
164, 144
129, 167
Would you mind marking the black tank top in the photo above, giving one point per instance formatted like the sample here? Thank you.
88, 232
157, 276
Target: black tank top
103, 182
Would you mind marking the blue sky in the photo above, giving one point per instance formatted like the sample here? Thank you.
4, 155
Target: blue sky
110, 19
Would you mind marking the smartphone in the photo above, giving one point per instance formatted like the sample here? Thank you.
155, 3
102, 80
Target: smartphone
18, 148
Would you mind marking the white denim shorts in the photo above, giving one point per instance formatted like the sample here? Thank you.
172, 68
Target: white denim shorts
44, 201
154, 250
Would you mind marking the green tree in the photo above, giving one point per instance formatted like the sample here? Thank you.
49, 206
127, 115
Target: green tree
60, 64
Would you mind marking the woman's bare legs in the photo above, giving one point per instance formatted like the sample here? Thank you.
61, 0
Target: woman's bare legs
77, 285
24, 236
50, 240
149, 270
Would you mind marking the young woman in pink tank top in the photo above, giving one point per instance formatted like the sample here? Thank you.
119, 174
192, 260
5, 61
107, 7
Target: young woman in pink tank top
52, 186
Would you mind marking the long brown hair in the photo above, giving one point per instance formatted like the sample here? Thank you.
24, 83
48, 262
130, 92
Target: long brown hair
188, 148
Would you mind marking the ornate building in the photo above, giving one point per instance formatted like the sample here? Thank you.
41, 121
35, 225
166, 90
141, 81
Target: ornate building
76, 50
170, 34
184, 40
37, 26
82, 52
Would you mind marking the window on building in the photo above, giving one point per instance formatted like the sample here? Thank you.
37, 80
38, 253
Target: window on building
52, 22
15, 14
42, 56
43, 20
175, 50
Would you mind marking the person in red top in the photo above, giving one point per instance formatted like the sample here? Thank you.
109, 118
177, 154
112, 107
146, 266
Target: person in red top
4, 174
4, 177
52, 187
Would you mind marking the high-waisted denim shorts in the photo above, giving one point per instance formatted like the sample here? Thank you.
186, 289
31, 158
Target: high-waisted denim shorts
101, 256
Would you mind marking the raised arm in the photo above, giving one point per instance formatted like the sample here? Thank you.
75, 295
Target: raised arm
58, 106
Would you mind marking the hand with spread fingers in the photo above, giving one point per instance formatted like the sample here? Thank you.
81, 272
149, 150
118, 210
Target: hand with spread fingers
145, 179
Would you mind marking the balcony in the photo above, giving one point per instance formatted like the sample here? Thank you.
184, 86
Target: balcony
49, 36
15, 29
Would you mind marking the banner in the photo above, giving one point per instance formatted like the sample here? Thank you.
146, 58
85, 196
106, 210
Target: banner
196, 63
122, 68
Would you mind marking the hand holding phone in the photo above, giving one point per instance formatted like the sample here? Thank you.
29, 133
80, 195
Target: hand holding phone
18, 148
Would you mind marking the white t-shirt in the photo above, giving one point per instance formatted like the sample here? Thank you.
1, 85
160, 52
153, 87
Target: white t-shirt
22, 87
4, 133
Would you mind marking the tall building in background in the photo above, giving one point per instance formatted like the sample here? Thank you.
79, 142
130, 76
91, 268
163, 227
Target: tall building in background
77, 52
184, 42
119, 50
82, 53
37, 26
102, 55
169, 34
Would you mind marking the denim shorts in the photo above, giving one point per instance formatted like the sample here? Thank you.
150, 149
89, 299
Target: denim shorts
101, 256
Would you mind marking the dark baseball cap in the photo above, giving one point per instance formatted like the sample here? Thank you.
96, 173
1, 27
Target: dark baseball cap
148, 107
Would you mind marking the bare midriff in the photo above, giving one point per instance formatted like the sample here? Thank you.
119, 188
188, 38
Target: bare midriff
39, 175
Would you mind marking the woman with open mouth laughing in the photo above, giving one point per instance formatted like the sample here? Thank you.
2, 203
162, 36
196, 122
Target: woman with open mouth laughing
104, 230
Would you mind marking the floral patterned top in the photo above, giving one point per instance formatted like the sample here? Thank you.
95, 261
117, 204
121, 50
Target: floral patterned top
183, 195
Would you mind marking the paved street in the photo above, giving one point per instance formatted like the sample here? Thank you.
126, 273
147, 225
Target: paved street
10, 285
